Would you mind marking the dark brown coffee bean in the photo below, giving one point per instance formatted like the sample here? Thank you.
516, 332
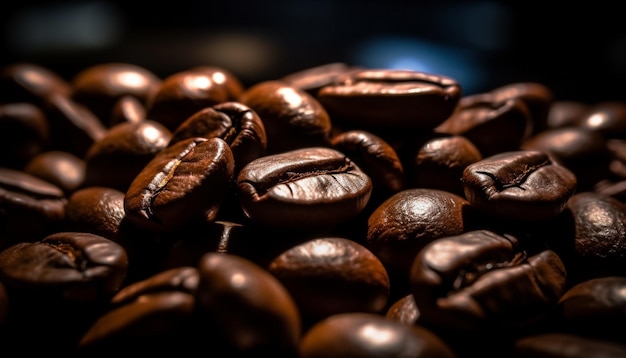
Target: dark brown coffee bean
563, 345
538, 97
30, 82
97, 210
478, 120
582, 151
483, 281
404, 310
391, 98
520, 185
370, 335
29, 207
565, 113
312, 79
181, 184
224, 78
438, 161
148, 316
310, 188
327, 276
73, 127
377, 158
293, 119
63, 169
127, 109
24, 133
254, 312
407, 221
235, 123
99, 87
117, 158
182, 94
607, 118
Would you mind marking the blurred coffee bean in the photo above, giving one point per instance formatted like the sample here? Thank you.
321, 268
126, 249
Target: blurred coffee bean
63, 169
390, 98
331, 275
292, 118
607, 118
523, 185
563, 345
565, 113
253, 311
306, 189
361, 335
24, 133
127, 109
32, 83
181, 184
100, 86
117, 158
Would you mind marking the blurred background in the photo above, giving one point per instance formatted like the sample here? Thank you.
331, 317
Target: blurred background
580, 52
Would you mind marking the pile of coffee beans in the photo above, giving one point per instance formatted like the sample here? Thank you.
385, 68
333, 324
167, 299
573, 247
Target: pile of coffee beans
338, 211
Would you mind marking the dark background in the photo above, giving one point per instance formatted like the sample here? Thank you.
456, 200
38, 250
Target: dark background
578, 51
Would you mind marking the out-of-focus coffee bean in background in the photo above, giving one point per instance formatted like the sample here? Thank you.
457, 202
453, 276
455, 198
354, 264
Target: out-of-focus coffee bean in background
577, 50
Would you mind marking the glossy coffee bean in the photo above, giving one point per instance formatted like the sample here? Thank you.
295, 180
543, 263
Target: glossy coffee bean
224, 78
478, 120
332, 275
63, 169
254, 312
127, 109
594, 307
181, 184
565, 113
235, 123
117, 158
370, 335
312, 79
311, 188
391, 98
31, 82
438, 161
404, 310
24, 133
563, 345
148, 316
407, 221
182, 94
293, 119
73, 127
377, 158
100, 86
607, 118
537, 96
30, 207
97, 210
582, 151
522, 185
481, 280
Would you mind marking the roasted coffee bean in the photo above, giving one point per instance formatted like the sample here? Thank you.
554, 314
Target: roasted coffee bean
521, 185
312, 79
438, 161
391, 98
404, 310
565, 113
332, 275
127, 109
369, 335
181, 184
407, 221
563, 345
32, 83
182, 94
30, 207
117, 158
97, 210
293, 119
538, 97
607, 118
148, 316
224, 78
254, 312
236, 123
305, 189
100, 86
493, 127
484, 281
24, 133
582, 151
63, 169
